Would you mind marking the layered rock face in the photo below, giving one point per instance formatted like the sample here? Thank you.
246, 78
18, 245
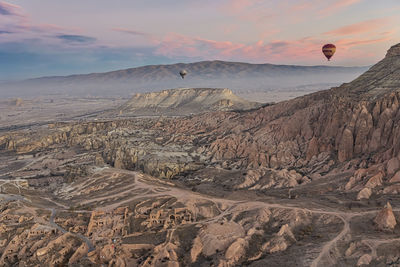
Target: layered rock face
185, 101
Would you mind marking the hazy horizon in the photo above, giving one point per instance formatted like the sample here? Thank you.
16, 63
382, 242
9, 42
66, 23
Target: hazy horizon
176, 63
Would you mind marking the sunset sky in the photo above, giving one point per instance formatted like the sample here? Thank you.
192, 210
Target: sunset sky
55, 37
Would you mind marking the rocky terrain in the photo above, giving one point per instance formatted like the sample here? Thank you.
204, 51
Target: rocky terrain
185, 101
312, 181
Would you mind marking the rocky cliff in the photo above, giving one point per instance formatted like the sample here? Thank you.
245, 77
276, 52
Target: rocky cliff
185, 101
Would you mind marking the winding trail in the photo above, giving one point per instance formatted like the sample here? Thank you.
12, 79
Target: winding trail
328, 246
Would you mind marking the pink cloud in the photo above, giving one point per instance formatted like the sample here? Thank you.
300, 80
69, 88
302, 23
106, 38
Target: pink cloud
302, 6
7, 9
239, 5
348, 43
20, 26
389, 32
337, 6
268, 33
251, 10
18, 21
176, 45
306, 49
228, 29
361, 27
258, 11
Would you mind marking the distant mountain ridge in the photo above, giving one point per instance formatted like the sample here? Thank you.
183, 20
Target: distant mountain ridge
206, 74
201, 68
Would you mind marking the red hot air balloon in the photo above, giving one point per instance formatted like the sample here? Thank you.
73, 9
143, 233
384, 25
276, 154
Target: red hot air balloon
329, 50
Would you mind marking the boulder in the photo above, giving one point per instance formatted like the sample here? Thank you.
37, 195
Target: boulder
350, 250
385, 220
395, 178
375, 180
79, 253
392, 166
364, 260
364, 194
236, 250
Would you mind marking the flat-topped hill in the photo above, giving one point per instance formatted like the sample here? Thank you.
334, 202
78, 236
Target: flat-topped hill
185, 101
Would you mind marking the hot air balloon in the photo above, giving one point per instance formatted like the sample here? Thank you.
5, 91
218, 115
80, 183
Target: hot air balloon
183, 73
329, 50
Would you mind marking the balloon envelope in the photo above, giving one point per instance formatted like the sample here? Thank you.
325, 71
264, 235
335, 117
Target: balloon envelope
329, 50
183, 73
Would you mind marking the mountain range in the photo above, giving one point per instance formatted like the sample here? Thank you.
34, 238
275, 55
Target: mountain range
239, 77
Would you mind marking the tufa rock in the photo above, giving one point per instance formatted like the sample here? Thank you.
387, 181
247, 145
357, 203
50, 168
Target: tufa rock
392, 166
395, 178
385, 219
364, 194
375, 180
364, 260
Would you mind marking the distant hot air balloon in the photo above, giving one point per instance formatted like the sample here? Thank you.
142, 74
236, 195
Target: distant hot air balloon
183, 73
329, 50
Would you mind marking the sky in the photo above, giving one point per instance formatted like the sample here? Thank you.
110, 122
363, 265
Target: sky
62, 37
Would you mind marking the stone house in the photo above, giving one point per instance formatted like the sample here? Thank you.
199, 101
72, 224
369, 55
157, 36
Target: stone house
40, 230
111, 224
169, 218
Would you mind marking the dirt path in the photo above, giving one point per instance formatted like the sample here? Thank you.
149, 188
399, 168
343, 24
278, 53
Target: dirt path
328, 246
83, 238
374, 243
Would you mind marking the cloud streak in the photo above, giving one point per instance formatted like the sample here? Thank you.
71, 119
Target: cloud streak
76, 39
277, 51
153, 40
7, 9
129, 31
177, 45
348, 43
361, 27
336, 6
